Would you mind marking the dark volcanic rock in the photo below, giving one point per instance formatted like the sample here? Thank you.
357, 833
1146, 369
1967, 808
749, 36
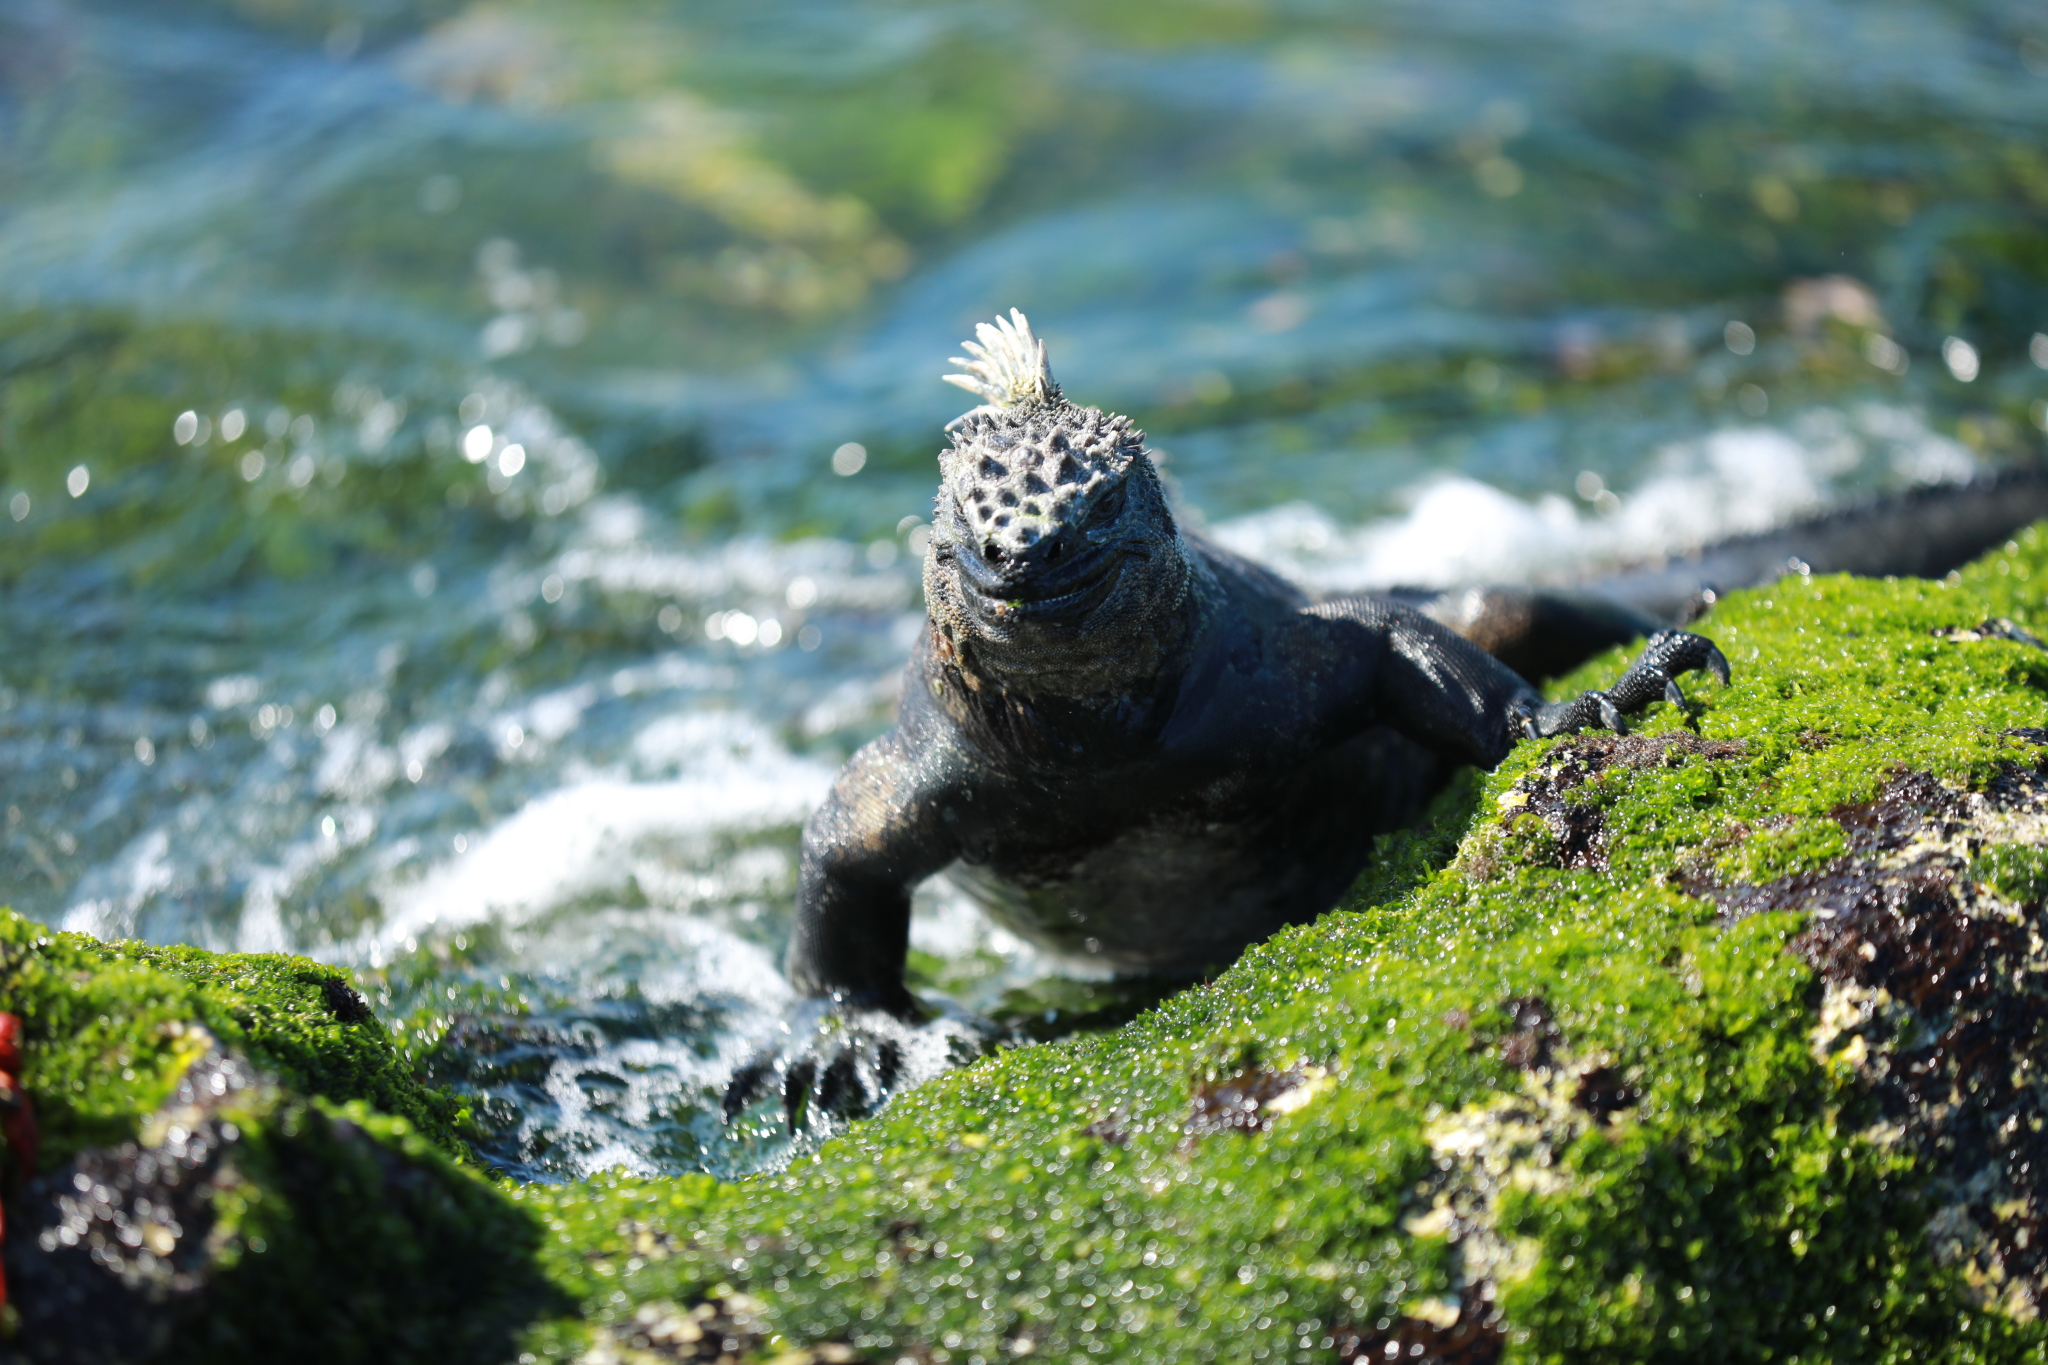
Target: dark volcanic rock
109, 1251
1936, 981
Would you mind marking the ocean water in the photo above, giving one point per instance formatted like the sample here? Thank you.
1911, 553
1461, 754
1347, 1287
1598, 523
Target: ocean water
465, 465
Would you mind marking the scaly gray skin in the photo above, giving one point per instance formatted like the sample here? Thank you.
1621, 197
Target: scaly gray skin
1137, 747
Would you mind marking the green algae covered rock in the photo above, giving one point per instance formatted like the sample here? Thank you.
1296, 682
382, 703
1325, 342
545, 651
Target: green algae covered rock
112, 1028
235, 1166
1717, 1041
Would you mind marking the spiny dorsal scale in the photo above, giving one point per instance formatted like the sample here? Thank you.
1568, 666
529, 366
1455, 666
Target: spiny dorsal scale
1009, 366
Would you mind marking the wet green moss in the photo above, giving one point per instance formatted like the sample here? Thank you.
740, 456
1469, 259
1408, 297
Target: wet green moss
2018, 872
110, 1028
1534, 1093
345, 1227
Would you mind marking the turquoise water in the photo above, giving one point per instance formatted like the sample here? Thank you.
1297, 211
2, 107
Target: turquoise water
464, 464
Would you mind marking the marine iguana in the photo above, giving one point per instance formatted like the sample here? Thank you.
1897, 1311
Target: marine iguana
1132, 745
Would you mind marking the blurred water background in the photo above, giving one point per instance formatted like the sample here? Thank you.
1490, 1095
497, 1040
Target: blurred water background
465, 464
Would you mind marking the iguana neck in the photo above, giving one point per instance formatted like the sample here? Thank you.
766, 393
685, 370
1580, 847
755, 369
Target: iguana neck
1104, 691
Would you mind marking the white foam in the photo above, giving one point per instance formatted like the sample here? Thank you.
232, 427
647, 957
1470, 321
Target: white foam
612, 1101
353, 765
1726, 483
580, 838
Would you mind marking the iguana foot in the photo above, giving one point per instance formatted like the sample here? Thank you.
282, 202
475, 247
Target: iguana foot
842, 1061
1649, 678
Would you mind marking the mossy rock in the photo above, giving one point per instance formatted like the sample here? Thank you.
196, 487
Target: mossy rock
1719, 1041
112, 1027
236, 1165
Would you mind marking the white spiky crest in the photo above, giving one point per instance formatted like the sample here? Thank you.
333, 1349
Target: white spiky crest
1009, 367
1028, 463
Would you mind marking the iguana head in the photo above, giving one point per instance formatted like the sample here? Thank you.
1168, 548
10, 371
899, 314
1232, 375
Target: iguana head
1051, 543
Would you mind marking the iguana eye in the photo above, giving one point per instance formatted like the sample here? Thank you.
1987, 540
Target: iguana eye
1108, 507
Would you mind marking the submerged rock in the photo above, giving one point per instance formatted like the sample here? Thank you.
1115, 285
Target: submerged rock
1720, 1041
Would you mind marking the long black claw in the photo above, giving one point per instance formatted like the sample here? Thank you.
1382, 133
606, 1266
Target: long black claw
742, 1088
1671, 692
888, 1064
1717, 664
1610, 714
841, 1092
796, 1092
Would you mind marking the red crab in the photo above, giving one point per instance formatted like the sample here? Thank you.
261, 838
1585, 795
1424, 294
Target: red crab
17, 1117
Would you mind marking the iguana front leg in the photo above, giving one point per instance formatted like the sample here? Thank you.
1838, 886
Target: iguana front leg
883, 829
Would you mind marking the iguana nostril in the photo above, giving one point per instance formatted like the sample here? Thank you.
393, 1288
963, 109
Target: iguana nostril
992, 553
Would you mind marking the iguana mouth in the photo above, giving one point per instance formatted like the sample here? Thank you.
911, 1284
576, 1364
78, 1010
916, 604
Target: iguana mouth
1058, 593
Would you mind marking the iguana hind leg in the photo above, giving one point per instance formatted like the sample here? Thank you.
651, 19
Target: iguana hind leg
1652, 677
